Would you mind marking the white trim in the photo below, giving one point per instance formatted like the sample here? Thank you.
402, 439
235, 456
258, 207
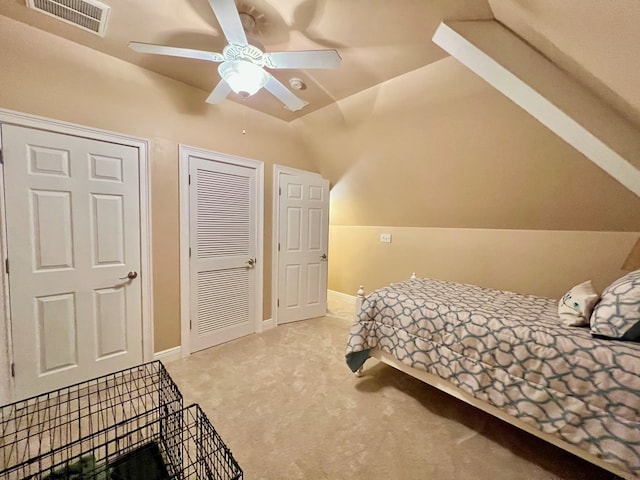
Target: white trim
183, 178
267, 325
344, 296
146, 271
293, 171
169, 355
184, 222
183, 183
461, 40
6, 355
333, 296
279, 170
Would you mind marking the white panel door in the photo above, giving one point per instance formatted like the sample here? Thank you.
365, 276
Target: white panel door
73, 230
223, 249
303, 238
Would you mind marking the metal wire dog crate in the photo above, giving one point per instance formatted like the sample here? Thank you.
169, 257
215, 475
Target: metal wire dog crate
127, 425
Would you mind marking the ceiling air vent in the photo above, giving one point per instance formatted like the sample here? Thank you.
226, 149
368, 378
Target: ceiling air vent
87, 14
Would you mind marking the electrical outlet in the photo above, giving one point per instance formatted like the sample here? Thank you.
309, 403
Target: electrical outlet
385, 237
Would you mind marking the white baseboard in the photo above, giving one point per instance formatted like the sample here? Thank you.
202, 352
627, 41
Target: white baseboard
169, 355
343, 296
267, 324
175, 353
340, 300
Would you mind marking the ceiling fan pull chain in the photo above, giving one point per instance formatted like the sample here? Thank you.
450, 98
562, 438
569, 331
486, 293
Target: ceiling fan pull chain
244, 117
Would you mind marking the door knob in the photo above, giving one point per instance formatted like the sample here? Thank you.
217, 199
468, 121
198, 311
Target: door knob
323, 256
251, 262
130, 276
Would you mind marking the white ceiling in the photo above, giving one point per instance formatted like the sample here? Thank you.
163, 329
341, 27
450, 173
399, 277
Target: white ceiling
378, 40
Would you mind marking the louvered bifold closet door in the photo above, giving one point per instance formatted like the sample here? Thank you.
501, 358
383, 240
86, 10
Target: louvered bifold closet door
223, 247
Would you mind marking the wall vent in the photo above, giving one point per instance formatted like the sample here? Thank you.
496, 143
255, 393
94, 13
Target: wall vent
89, 15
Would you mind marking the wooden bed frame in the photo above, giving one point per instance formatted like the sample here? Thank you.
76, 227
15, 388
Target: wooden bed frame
460, 394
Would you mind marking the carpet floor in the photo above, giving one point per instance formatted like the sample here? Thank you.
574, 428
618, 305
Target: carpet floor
286, 404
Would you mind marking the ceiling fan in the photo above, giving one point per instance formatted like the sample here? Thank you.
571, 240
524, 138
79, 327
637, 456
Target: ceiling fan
242, 63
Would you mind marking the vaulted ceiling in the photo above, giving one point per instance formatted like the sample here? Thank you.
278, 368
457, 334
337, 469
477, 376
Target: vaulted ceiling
593, 40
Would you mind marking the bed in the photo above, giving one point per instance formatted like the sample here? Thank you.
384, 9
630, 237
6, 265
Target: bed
511, 356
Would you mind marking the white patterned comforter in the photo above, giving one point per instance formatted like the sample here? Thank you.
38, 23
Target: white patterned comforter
511, 351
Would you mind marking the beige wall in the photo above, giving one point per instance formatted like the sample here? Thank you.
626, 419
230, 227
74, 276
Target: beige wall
471, 187
45, 75
494, 197
538, 262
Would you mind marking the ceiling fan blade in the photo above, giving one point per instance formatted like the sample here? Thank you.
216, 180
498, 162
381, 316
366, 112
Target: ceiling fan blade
219, 93
283, 94
227, 14
176, 52
303, 59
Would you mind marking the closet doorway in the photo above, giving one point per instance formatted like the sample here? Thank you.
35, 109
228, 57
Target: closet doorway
77, 265
221, 243
301, 214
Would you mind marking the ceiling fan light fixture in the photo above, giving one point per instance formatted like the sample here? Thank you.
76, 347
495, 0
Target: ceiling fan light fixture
244, 78
243, 58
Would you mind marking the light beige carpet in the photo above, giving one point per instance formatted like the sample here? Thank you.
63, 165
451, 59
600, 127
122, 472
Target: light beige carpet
289, 408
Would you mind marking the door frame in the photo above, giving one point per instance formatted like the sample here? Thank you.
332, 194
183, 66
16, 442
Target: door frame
67, 128
278, 171
185, 152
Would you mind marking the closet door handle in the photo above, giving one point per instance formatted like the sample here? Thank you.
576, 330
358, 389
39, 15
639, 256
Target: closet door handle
130, 276
323, 256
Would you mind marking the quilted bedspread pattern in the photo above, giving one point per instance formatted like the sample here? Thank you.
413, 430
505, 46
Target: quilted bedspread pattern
512, 351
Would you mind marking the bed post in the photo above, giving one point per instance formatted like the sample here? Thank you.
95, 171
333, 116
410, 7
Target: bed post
359, 300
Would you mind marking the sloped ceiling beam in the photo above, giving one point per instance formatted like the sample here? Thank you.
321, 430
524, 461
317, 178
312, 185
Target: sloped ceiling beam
554, 98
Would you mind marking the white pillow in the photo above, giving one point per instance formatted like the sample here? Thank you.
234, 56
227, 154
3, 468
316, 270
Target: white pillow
576, 305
